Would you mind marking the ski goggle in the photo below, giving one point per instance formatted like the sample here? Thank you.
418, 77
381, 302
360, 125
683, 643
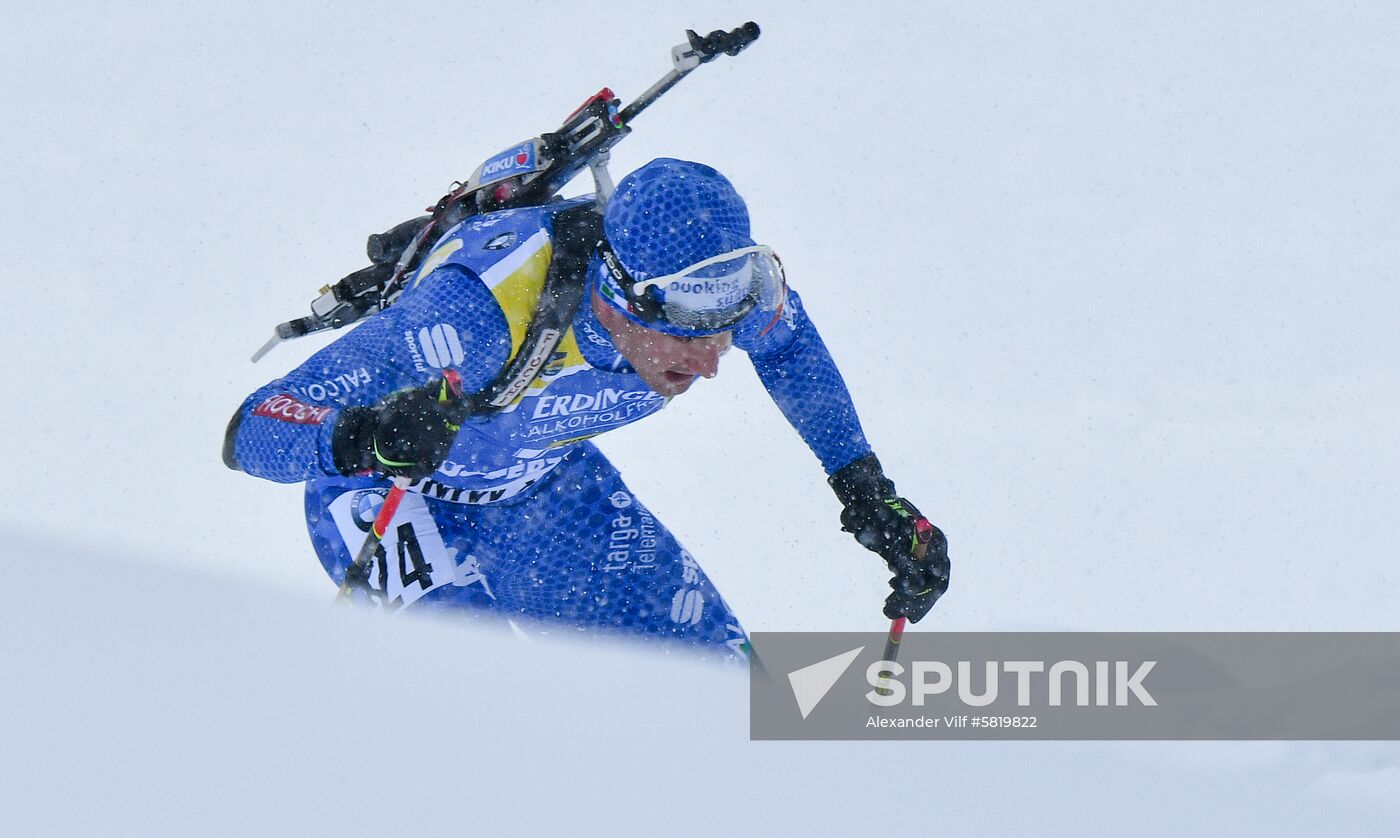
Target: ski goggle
709, 296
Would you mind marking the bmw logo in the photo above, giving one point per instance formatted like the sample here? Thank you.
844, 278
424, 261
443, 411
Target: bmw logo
366, 505
500, 242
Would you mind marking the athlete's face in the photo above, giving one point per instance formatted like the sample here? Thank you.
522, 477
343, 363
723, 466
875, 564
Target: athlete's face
666, 363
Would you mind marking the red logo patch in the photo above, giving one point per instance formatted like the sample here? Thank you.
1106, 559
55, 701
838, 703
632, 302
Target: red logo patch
289, 409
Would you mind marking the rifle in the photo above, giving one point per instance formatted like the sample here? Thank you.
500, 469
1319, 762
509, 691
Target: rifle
530, 173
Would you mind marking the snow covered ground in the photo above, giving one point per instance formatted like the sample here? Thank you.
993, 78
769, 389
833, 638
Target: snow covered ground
1113, 286
160, 701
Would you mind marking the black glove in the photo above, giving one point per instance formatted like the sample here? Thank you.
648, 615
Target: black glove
406, 435
915, 550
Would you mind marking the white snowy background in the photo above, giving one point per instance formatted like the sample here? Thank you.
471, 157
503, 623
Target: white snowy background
1113, 285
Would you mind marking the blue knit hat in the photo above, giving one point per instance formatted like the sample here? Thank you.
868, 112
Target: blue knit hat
666, 216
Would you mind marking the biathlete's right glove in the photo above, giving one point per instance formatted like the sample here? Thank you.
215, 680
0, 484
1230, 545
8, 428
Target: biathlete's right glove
408, 434
891, 526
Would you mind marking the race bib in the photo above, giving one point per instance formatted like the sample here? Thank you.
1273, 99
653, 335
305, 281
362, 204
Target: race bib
412, 558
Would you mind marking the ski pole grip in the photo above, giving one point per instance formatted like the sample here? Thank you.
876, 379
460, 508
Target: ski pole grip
923, 535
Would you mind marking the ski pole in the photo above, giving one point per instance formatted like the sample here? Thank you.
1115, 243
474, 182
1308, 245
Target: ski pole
923, 534
448, 392
357, 574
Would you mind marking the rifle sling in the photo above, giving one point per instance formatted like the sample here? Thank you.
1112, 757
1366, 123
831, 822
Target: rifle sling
577, 232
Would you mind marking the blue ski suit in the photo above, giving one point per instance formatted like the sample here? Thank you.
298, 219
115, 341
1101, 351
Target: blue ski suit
525, 518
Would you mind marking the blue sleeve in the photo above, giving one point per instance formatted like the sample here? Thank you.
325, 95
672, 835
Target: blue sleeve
796, 368
282, 432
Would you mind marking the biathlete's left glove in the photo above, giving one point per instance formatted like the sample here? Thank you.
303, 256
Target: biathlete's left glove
891, 526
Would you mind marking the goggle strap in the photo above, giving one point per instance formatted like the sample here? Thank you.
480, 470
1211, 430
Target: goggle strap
642, 305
